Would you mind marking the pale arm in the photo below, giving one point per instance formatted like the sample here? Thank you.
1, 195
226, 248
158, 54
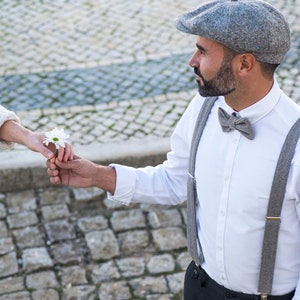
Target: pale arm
13, 132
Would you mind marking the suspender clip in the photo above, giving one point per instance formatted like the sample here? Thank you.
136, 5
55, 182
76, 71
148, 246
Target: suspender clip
264, 297
273, 218
193, 178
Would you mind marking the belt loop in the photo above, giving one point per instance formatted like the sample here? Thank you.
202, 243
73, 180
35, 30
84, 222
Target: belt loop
264, 297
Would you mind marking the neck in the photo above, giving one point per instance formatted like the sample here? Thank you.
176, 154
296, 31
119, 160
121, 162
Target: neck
248, 94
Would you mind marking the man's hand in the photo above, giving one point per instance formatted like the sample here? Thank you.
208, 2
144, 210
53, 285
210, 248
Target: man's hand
81, 173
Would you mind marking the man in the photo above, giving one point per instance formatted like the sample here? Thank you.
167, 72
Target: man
239, 44
11, 131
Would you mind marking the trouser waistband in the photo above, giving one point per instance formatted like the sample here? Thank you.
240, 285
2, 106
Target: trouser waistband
210, 283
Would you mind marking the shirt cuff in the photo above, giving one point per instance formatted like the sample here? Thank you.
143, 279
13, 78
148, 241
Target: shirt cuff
7, 115
125, 184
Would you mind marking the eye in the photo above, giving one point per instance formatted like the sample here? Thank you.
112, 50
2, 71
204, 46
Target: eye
200, 50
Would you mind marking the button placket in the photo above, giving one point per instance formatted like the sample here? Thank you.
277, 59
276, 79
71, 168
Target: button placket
222, 214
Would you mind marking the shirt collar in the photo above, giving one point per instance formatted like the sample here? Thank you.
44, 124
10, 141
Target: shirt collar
259, 109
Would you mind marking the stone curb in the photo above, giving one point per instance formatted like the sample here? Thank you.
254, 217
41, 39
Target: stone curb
22, 169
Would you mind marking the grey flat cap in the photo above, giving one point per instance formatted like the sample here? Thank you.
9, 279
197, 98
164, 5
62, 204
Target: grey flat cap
242, 25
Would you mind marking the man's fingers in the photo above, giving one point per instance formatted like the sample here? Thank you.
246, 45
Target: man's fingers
53, 172
55, 180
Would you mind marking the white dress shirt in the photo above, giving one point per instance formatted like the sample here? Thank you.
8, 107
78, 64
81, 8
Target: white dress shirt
234, 177
6, 115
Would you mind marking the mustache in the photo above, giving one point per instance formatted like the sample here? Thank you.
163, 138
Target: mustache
198, 73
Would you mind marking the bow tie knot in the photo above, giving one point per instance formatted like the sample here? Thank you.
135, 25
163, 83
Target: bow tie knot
231, 122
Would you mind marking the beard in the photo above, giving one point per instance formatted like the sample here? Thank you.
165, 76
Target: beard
222, 84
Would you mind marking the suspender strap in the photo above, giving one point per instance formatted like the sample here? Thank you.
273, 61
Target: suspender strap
274, 210
192, 235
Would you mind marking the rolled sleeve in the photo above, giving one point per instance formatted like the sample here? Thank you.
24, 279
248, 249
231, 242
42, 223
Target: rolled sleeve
6, 115
125, 184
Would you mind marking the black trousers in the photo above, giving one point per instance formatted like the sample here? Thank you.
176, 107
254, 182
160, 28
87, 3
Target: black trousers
199, 286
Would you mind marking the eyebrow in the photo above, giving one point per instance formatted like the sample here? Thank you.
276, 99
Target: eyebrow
200, 47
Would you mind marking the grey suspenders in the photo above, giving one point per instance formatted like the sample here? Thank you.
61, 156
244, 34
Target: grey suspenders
192, 235
274, 210
274, 206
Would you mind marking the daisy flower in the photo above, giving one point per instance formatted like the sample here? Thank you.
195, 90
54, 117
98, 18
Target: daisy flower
57, 136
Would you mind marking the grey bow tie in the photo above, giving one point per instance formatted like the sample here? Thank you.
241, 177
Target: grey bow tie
230, 122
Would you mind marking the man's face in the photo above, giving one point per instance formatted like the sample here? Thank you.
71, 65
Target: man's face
212, 66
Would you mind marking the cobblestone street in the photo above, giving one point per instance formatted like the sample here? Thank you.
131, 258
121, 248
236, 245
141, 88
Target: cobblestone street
115, 75
60, 243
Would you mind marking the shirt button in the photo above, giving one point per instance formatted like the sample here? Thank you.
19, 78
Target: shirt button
195, 274
228, 295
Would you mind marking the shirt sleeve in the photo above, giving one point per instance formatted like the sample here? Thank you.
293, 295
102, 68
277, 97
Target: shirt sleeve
166, 183
6, 115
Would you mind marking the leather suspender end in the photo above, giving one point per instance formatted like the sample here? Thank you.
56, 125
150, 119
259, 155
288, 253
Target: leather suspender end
273, 218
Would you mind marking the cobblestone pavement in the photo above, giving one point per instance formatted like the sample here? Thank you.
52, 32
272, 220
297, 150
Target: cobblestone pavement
109, 72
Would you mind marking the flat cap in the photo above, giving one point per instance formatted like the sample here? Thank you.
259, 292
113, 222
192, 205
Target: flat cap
251, 26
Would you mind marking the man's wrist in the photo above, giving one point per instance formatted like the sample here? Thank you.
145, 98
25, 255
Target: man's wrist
105, 178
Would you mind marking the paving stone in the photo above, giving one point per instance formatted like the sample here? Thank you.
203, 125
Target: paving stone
8, 264
161, 297
35, 259
54, 195
41, 280
11, 284
110, 204
170, 238
183, 260
127, 219
21, 201
86, 292
86, 194
2, 210
3, 229
133, 241
22, 219
184, 214
114, 291
164, 218
56, 211
131, 266
96, 223
29, 237
66, 252
73, 275
16, 296
148, 285
161, 264
105, 272
102, 244
59, 230
176, 282
6, 245
46, 294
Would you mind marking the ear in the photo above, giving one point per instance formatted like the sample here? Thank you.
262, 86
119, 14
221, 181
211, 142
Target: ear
246, 62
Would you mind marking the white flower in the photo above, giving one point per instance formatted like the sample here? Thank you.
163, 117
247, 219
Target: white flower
57, 137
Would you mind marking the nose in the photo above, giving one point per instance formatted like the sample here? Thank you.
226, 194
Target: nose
194, 62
